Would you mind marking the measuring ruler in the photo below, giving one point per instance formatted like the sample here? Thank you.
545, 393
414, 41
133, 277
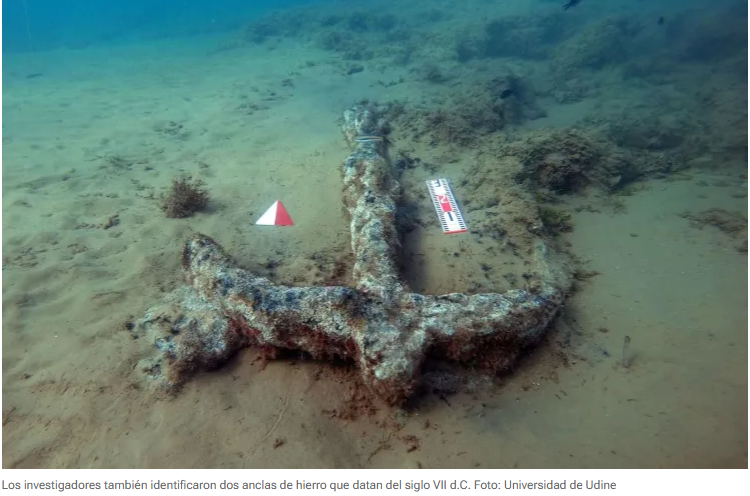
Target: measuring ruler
445, 205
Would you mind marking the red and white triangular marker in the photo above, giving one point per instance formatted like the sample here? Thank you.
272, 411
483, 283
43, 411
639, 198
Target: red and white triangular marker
275, 216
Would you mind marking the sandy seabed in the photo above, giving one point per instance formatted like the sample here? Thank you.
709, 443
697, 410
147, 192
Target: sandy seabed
72, 396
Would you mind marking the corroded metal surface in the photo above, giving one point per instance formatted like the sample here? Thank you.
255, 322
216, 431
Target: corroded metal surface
379, 325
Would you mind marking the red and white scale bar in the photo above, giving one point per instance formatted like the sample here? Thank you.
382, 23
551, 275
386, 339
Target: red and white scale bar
445, 205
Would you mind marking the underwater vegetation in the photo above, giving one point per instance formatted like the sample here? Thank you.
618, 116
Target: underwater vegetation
186, 197
486, 77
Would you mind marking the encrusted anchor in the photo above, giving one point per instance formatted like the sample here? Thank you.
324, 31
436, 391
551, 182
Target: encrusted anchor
378, 325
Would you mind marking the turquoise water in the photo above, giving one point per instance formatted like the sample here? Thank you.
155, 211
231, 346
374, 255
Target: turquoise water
93, 22
616, 131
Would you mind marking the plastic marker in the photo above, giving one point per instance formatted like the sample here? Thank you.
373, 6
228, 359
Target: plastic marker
275, 216
446, 207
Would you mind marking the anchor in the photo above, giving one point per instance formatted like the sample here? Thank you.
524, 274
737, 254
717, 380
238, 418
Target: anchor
378, 325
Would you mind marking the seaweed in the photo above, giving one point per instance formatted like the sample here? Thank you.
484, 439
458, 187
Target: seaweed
449, 127
555, 221
186, 197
